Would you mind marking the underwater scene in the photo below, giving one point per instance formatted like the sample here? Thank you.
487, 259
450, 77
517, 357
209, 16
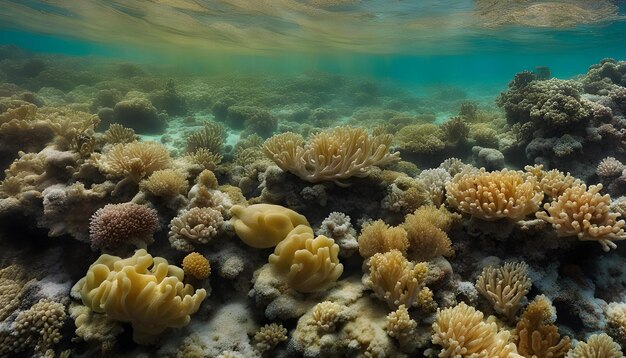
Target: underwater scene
313, 178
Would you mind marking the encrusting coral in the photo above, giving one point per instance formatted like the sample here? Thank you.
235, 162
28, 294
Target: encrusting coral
309, 263
397, 281
495, 195
505, 287
264, 225
142, 290
331, 155
118, 225
462, 332
193, 227
584, 213
537, 336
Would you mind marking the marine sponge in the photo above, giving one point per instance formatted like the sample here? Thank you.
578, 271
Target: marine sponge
505, 287
461, 332
537, 336
397, 281
495, 195
122, 224
585, 214
142, 290
196, 266
598, 345
194, 226
332, 155
167, 183
134, 161
378, 237
264, 225
310, 264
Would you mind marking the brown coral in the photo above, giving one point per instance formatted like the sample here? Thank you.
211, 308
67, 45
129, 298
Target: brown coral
537, 336
585, 214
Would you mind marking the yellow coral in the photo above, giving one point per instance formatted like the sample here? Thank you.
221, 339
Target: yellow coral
167, 183
332, 155
203, 157
211, 137
400, 326
616, 320
142, 290
495, 195
461, 332
426, 233
135, 161
537, 336
264, 225
553, 183
597, 346
585, 214
326, 315
269, 336
505, 286
196, 266
377, 237
117, 133
309, 263
397, 281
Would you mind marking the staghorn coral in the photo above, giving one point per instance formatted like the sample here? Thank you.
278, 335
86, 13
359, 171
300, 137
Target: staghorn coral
117, 133
537, 336
585, 214
37, 328
397, 281
264, 225
166, 183
197, 266
134, 161
269, 336
461, 332
505, 287
597, 346
120, 224
194, 226
495, 195
308, 263
378, 237
426, 232
152, 296
211, 138
332, 155
400, 326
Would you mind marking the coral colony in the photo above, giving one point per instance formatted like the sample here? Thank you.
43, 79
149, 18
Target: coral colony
221, 217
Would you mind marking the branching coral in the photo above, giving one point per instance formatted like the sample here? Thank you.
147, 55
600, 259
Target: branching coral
435, 181
194, 226
309, 263
264, 225
378, 237
211, 138
142, 290
167, 183
331, 155
123, 224
461, 332
12, 284
426, 232
585, 214
327, 314
397, 281
117, 133
134, 161
553, 182
269, 336
505, 287
597, 346
204, 158
610, 167
537, 336
616, 320
400, 326
495, 195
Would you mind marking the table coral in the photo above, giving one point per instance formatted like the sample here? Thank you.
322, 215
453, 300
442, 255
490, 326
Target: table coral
584, 213
495, 195
331, 155
142, 290
309, 263
264, 225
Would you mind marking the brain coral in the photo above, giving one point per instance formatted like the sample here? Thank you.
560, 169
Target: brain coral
310, 263
142, 290
495, 195
120, 224
264, 225
585, 213
332, 155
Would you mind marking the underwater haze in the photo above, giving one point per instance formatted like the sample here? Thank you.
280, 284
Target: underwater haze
313, 178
